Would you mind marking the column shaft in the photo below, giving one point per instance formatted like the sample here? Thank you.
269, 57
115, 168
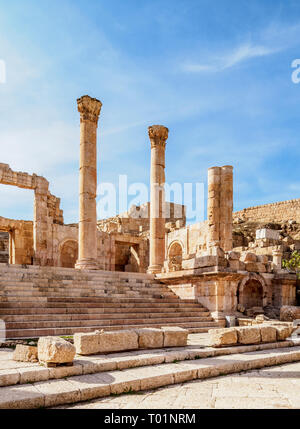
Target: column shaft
158, 136
89, 109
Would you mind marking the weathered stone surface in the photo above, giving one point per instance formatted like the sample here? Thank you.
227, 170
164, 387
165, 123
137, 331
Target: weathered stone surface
222, 337
86, 344
249, 257
268, 334
105, 342
261, 318
234, 255
175, 336
25, 353
283, 332
248, 335
55, 350
257, 267
289, 313
150, 338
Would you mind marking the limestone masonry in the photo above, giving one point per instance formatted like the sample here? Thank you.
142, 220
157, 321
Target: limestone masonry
230, 264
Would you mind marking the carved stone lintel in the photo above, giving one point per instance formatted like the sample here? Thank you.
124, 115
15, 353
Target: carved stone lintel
89, 108
158, 135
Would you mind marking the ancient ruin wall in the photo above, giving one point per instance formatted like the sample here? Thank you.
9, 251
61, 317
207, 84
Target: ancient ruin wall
276, 212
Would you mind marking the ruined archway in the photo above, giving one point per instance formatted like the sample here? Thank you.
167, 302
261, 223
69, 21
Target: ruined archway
175, 256
68, 253
252, 292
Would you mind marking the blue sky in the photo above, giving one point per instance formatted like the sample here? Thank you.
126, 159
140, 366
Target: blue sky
217, 74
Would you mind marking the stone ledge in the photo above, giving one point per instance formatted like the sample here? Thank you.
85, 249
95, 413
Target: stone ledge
82, 388
83, 365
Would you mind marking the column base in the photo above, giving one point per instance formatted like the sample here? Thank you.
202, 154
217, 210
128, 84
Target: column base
87, 264
154, 269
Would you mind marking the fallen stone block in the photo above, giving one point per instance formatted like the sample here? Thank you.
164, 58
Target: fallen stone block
24, 353
222, 337
105, 342
268, 334
150, 338
174, 336
55, 350
249, 335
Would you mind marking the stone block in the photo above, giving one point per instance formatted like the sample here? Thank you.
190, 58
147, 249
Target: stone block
263, 259
222, 337
55, 350
24, 353
256, 267
86, 344
266, 233
150, 338
105, 342
289, 313
283, 332
233, 256
174, 336
249, 335
249, 257
268, 334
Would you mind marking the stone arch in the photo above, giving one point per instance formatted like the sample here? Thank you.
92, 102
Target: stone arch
175, 252
252, 291
68, 253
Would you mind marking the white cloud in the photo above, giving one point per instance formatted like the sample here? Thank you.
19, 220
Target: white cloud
240, 54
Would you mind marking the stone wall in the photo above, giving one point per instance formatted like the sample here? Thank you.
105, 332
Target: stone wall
21, 233
276, 212
4, 247
136, 220
192, 238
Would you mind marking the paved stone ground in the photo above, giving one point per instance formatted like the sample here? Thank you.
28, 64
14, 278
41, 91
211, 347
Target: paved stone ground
275, 387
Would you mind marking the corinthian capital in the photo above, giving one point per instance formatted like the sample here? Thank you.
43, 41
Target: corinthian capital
158, 135
89, 108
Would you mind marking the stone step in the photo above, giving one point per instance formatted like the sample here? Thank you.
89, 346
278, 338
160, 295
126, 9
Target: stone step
104, 310
51, 393
76, 322
12, 373
111, 304
15, 298
84, 294
102, 316
39, 332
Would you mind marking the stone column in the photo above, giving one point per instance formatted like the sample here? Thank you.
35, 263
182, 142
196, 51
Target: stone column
41, 223
277, 259
220, 207
213, 206
158, 136
89, 109
226, 208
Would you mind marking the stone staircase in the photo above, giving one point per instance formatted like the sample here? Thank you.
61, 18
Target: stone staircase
37, 301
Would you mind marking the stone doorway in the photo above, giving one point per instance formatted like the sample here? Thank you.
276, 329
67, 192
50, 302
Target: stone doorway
127, 257
251, 294
4, 247
175, 257
69, 254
